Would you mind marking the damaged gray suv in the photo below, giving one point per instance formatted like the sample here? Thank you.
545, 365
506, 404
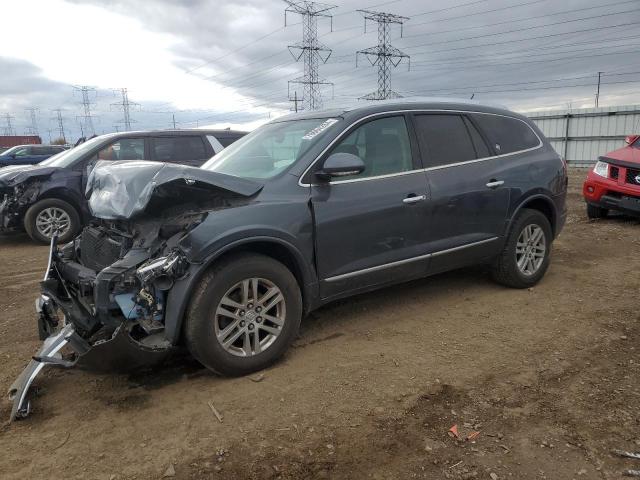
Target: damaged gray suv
228, 258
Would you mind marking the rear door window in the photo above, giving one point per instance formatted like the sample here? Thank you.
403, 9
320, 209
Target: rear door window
188, 150
506, 134
444, 139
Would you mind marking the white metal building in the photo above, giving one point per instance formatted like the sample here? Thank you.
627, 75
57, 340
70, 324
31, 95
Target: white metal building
581, 135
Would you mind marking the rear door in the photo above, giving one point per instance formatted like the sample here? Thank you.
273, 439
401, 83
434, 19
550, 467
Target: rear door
371, 228
468, 199
184, 149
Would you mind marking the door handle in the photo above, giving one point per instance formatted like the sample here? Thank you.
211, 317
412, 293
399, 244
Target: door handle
414, 199
495, 183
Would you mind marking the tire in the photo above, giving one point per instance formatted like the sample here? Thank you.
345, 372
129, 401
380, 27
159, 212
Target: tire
596, 212
53, 205
203, 325
505, 269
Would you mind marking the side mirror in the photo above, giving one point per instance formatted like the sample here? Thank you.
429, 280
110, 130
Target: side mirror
630, 139
341, 165
13, 155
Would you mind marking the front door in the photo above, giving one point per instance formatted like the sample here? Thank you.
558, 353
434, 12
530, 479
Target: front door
468, 195
371, 228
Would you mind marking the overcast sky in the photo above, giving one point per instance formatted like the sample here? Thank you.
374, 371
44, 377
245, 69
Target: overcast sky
226, 63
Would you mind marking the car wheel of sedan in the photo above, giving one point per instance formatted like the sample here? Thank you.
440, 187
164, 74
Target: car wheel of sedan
525, 257
596, 212
244, 315
49, 216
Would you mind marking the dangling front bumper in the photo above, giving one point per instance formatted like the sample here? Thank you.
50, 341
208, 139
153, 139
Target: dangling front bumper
49, 354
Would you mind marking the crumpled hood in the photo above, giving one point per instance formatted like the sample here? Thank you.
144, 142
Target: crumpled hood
15, 174
623, 156
123, 189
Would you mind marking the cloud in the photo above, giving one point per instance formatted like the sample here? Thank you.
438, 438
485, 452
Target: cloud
226, 62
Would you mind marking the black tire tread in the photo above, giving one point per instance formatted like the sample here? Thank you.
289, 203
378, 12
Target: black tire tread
504, 270
191, 329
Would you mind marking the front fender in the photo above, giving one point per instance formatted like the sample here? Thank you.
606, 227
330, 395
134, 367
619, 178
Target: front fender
180, 294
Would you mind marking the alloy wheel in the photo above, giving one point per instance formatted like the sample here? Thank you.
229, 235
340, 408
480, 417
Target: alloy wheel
531, 248
53, 220
249, 317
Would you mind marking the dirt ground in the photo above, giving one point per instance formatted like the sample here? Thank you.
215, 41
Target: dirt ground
548, 376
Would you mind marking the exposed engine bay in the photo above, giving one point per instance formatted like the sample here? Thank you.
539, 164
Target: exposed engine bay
104, 294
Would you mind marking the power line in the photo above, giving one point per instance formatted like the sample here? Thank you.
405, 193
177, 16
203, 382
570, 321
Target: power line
467, 15
384, 55
521, 29
510, 21
311, 49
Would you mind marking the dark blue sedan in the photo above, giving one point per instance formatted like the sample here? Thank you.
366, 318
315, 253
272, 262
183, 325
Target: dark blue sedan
28, 154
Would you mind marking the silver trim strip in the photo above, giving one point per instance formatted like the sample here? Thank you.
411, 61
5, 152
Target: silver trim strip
439, 167
462, 247
377, 267
406, 260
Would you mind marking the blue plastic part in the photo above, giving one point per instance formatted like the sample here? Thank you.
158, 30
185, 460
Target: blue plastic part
128, 306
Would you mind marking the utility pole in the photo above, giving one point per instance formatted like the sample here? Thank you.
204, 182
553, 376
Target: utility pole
87, 120
58, 117
295, 101
310, 50
173, 116
8, 129
598, 90
32, 129
383, 55
125, 106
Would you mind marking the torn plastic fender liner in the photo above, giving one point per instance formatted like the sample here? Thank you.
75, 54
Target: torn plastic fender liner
120, 190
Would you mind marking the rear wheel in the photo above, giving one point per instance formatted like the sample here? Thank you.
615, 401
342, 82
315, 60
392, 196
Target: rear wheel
596, 212
49, 216
244, 315
526, 254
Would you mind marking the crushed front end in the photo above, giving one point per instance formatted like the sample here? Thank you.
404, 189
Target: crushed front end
104, 295
102, 303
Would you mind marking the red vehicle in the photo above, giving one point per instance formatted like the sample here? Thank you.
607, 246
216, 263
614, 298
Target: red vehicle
614, 183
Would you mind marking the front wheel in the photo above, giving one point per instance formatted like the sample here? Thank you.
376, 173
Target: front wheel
49, 216
526, 254
244, 315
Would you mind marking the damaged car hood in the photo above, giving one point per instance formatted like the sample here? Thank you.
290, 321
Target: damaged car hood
123, 189
15, 174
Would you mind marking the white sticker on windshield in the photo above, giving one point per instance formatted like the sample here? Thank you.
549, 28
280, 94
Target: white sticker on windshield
320, 128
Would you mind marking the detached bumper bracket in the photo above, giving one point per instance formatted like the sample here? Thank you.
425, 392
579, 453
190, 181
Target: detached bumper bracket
46, 356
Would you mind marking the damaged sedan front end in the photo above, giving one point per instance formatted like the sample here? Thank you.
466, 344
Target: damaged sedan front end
104, 296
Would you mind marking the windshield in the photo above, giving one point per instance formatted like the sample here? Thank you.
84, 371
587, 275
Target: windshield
69, 157
12, 150
270, 149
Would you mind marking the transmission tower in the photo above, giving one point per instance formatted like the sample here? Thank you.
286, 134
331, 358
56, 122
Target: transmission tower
8, 129
58, 117
87, 120
383, 55
125, 106
310, 50
32, 128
